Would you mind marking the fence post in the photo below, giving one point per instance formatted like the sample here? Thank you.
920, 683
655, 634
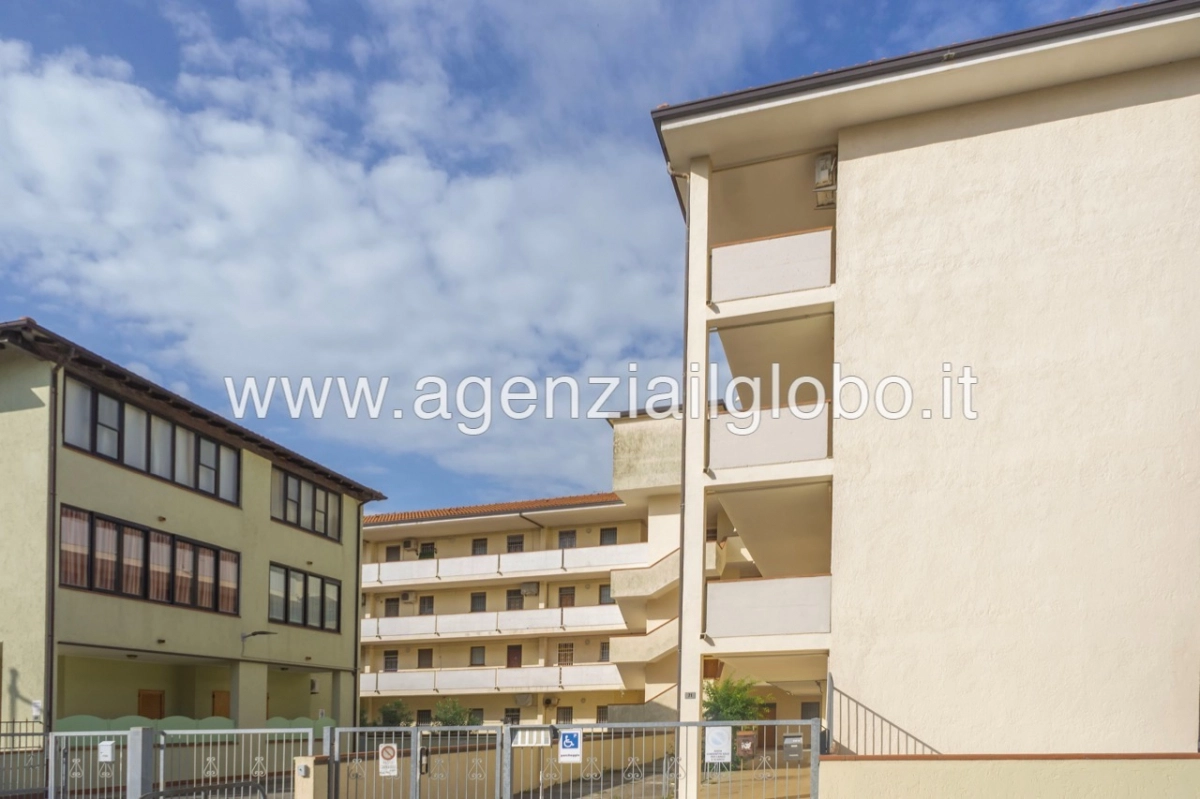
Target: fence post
325, 750
414, 764
814, 761
829, 709
505, 739
139, 768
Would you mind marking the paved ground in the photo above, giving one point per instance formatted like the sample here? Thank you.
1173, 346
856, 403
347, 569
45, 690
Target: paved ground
791, 783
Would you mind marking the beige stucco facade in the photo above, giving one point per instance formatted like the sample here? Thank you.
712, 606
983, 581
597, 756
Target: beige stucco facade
80, 651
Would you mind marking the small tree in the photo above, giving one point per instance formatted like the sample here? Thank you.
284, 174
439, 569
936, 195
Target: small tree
450, 713
732, 700
395, 714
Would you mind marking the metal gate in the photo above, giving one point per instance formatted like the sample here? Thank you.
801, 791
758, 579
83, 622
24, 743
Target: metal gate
22, 760
664, 760
203, 758
422, 762
87, 764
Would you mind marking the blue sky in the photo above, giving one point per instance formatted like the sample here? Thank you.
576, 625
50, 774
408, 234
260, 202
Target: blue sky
388, 187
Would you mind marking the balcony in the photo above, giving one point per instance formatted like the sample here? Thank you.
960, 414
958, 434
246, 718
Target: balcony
583, 562
785, 440
528, 679
637, 649
773, 265
781, 606
542, 621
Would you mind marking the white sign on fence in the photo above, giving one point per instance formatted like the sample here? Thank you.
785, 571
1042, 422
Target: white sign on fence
389, 761
570, 746
104, 752
718, 744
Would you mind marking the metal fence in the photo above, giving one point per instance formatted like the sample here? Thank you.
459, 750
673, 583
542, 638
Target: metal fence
88, 764
205, 758
696, 760
22, 759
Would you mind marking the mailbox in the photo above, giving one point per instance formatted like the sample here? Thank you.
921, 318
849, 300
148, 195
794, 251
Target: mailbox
793, 748
104, 752
747, 743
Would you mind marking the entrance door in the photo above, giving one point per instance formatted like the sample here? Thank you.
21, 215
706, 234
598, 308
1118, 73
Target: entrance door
220, 704
514, 656
151, 704
766, 734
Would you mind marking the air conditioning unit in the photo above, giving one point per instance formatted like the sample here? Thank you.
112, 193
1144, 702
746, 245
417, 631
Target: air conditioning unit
529, 589
523, 700
409, 543
550, 701
406, 596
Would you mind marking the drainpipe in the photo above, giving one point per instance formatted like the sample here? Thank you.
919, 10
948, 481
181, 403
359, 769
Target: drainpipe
687, 225
48, 669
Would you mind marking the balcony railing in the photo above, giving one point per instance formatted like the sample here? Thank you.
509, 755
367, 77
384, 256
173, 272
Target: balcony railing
507, 565
784, 440
773, 265
520, 622
593, 676
781, 606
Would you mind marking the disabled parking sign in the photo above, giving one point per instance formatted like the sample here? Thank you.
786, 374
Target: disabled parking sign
570, 746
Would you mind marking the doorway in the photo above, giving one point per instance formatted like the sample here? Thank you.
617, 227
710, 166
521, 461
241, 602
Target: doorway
514, 656
220, 704
766, 733
151, 704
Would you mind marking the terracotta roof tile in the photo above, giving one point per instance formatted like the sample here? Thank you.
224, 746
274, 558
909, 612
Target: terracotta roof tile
495, 508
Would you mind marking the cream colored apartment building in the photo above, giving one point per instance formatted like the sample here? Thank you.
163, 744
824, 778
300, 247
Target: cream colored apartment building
1027, 206
160, 561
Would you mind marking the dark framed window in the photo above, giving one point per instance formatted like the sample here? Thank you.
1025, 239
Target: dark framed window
424, 717
424, 658
479, 603
425, 606
475, 715
120, 431
604, 651
479, 546
608, 536
566, 715
512, 715
102, 554
391, 659
606, 595
566, 654
392, 554
427, 551
303, 599
601, 714
566, 539
516, 543
304, 504
478, 656
391, 607
514, 599
566, 596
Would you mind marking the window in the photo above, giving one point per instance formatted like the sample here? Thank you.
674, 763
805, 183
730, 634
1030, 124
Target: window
391, 659
606, 595
608, 536
711, 534
306, 505
206, 577
424, 658
425, 606
516, 543
310, 600
566, 715
391, 607
479, 546
514, 599
566, 654
512, 715
424, 717
566, 596
392, 554
427, 551
75, 551
133, 564
477, 656
479, 603
105, 555
277, 600
601, 714
810, 710
227, 582
475, 715
604, 651
566, 539
115, 429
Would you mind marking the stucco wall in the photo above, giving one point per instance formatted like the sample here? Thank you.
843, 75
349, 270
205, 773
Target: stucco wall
1026, 581
24, 447
646, 454
1003, 779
